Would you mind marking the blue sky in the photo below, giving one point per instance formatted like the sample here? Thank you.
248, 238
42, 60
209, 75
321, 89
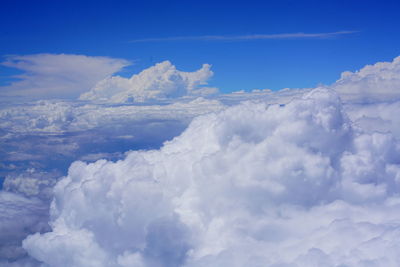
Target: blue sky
107, 28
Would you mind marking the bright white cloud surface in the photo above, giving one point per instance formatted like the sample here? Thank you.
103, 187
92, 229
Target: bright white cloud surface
158, 82
254, 185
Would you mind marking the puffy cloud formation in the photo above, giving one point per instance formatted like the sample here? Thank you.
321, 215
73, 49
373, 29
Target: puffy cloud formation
378, 82
158, 82
48, 135
41, 139
216, 208
252, 185
58, 75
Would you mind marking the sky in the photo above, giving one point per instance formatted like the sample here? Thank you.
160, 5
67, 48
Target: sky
113, 28
177, 134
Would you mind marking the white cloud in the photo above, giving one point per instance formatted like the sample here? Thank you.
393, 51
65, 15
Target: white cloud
252, 185
49, 135
378, 82
249, 37
58, 75
48, 116
275, 180
24, 209
158, 82
19, 217
376, 117
31, 183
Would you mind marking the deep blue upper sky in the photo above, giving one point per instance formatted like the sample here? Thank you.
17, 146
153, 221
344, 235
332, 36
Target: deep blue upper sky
105, 28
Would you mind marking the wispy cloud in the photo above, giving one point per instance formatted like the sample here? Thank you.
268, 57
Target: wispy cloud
57, 75
298, 35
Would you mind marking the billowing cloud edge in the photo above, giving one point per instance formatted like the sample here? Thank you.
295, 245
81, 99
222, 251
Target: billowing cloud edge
254, 184
161, 81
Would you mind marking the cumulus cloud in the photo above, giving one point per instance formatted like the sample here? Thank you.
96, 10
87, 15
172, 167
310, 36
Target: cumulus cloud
252, 185
51, 134
371, 96
158, 82
40, 140
273, 181
378, 82
57, 75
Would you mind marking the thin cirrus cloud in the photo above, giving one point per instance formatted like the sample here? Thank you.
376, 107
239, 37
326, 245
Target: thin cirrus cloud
249, 37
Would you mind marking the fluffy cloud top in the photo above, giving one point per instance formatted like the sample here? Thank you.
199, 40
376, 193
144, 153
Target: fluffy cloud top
58, 75
160, 81
253, 185
377, 82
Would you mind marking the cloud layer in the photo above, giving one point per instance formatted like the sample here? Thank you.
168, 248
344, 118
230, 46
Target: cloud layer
253, 185
305, 177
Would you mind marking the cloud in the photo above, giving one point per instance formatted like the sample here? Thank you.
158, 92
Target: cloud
57, 75
42, 138
250, 37
158, 82
49, 135
274, 180
252, 185
32, 183
378, 82
376, 117
19, 217
24, 209
57, 117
